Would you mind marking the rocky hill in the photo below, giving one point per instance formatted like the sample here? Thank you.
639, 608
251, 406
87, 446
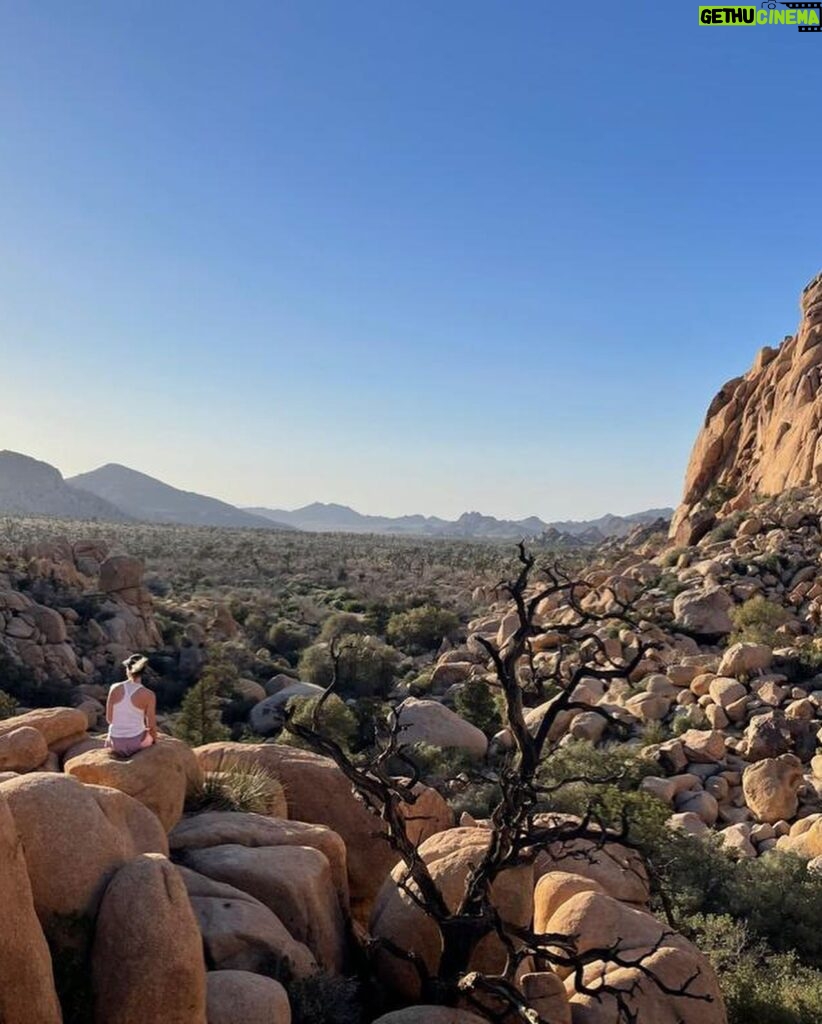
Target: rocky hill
153, 501
29, 487
763, 431
334, 518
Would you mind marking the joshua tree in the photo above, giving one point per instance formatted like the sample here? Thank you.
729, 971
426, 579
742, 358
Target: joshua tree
517, 830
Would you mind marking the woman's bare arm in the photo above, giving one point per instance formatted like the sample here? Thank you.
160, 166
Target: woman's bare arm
151, 715
110, 702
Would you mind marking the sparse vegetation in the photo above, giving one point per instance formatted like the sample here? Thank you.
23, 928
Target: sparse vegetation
757, 621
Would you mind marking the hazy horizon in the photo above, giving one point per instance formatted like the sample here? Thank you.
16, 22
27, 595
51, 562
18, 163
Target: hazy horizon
481, 257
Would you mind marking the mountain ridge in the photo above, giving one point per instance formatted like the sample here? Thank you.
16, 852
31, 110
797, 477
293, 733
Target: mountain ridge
155, 501
330, 517
31, 487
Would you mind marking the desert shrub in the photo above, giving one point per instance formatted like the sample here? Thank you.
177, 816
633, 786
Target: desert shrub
342, 624
287, 638
171, 630
782, 902
422, 629
717, 495
757, 621
475, 798
670, 558
693, 718
8, 705
366, 666
476, 704
436, 764
420, 683
199, 719
325, 999
653, 732
315, 665
336, 721
236, 787
758, 984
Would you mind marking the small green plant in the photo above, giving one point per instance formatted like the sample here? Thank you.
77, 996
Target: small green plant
336, 721
717, 495
366, 666
476, 704
652, 733
670, 558
757, 621
8, 705
422, 629
238, 787
287, 638
758, 984
199, 720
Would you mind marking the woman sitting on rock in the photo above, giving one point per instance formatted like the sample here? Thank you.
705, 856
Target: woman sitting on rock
131, 711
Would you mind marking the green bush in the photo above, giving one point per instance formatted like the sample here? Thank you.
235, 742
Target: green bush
199, 720
436, 764
237, 787
422, 629
759, 985
336, 721
366, 666
341, 624
671, 557
287, 638
8, 705
476, 704
757, 621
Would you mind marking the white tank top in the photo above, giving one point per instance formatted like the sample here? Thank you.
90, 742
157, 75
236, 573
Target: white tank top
127, 720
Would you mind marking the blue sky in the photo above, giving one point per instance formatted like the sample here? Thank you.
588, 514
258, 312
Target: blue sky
418, 257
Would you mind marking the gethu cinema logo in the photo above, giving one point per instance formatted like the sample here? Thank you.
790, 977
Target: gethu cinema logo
806, 16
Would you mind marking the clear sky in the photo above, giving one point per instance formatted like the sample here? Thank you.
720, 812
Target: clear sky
413, 257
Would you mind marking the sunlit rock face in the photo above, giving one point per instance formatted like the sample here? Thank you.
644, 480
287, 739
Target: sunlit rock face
762, 431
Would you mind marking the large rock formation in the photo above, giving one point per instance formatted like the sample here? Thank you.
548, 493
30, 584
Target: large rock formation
147, 959
763, 431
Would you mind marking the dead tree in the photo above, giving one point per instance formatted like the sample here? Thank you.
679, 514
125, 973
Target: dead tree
517, 830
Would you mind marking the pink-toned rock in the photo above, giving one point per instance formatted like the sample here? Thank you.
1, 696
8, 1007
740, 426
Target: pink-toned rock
771, 787
74, 837
240, 996
762, 430
158, 972
430, 1015
240, 933
396, 917
222, 828
55, 724
318, 792
22, 750
27, 993
159, 777
292, 881
599, 922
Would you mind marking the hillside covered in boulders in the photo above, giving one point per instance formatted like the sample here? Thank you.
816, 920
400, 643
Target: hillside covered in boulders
405, 781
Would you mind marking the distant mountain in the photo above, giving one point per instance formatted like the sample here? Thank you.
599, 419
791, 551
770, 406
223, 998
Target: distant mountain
153, 501
611, 525
331, 518
32, 488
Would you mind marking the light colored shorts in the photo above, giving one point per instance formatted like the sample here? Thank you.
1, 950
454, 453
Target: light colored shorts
125, 746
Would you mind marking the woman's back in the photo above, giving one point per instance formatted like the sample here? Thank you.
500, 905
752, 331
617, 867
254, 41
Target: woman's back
127, 718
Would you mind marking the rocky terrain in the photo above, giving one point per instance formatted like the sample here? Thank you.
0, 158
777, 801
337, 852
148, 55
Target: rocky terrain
761, 434
582, 795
